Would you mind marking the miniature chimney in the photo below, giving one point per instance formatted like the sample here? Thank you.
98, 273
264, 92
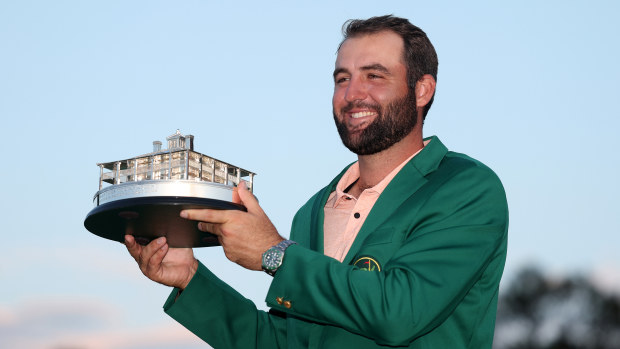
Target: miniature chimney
156, 146
189, 142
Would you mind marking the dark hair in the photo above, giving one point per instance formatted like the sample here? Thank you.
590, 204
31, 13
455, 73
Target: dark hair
419, 54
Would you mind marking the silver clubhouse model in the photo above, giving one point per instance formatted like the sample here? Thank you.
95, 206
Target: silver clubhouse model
144, 195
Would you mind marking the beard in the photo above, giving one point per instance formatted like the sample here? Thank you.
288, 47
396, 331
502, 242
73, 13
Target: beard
393, 122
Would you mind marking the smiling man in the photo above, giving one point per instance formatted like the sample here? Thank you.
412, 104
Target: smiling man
373, 107
407, 245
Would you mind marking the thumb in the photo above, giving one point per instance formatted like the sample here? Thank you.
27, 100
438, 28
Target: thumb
235, 195
247, 198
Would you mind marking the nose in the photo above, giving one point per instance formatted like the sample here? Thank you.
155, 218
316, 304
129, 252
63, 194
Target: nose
356, 91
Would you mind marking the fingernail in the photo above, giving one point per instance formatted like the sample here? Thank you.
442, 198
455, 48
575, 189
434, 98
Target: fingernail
183, 214
160, 241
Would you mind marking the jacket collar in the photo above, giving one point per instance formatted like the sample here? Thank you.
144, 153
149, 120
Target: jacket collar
410, 178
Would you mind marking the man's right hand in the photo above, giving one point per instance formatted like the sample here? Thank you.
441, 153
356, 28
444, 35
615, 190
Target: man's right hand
169, 266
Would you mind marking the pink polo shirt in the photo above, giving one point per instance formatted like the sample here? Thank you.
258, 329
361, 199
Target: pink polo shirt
344, 214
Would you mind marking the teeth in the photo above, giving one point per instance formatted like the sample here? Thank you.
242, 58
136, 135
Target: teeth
362, 114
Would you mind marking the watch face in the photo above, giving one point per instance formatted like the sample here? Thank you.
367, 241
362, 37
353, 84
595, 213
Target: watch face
272, 259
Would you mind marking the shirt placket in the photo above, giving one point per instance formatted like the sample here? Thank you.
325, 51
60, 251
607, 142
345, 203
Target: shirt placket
356, 218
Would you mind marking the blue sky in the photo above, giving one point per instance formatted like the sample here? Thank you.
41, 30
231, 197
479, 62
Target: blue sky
528, 87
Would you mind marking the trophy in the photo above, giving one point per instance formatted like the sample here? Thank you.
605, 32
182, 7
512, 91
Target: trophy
143, 196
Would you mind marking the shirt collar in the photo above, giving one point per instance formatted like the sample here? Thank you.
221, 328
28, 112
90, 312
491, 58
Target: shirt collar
353, 174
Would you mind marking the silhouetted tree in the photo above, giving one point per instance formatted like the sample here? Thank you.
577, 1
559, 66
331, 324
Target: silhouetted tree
536, 312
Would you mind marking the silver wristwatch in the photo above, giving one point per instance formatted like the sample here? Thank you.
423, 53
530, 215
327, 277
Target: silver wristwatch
272, 258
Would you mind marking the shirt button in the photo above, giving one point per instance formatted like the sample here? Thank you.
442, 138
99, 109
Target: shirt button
356, 215
287, 304
279, 300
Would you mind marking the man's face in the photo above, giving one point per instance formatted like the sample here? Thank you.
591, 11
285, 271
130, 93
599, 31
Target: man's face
372, 105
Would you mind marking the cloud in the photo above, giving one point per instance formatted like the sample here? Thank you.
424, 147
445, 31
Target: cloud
85, 324
170, 335
111, 260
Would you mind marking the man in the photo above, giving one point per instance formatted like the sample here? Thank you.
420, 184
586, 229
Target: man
404, 248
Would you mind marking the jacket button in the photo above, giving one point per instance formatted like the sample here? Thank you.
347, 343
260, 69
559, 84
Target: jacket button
279, 300
287, 304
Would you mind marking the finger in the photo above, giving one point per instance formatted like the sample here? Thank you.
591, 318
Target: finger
148, 251
154, 263
248, 199
133, 247
209, 228
205, 215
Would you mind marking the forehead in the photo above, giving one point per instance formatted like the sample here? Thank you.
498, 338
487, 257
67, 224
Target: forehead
385, 48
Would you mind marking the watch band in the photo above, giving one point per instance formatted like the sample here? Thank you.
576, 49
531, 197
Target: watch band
273, 257
284, 244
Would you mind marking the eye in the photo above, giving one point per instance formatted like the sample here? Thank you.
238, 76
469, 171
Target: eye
341, 79
372, 76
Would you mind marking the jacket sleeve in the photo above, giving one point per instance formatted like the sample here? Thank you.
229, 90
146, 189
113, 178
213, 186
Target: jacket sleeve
222, 317
455, 233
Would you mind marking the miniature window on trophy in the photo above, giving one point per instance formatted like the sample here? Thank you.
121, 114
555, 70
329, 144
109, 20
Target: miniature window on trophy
144, 195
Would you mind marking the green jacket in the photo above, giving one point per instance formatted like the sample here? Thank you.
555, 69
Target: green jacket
423, 271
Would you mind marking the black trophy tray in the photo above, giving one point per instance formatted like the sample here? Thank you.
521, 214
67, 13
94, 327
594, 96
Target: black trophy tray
147, 218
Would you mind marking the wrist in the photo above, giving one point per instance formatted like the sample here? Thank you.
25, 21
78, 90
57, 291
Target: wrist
193, 268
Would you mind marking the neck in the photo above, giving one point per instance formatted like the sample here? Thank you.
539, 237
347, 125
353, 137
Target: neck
375, 167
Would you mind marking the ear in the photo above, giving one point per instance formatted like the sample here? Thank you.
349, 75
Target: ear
424, 90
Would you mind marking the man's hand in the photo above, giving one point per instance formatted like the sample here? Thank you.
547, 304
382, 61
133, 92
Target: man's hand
243, 235
169, 266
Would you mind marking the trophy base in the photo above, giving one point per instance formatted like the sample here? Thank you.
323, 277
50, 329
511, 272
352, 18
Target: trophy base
147, 218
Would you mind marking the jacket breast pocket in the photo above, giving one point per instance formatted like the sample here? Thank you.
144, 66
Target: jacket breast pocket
377, 249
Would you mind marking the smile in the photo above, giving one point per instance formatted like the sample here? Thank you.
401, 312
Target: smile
362, 114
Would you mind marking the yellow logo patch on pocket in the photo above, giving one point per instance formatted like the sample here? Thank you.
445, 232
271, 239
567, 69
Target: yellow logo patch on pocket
367, 263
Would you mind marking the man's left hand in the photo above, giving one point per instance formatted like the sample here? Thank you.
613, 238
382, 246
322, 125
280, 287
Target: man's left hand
243, 235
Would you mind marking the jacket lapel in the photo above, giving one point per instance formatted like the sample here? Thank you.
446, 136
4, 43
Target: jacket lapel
410, 178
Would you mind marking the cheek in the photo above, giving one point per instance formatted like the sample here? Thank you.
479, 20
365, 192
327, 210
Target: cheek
387, 95
381, 93
338, 99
